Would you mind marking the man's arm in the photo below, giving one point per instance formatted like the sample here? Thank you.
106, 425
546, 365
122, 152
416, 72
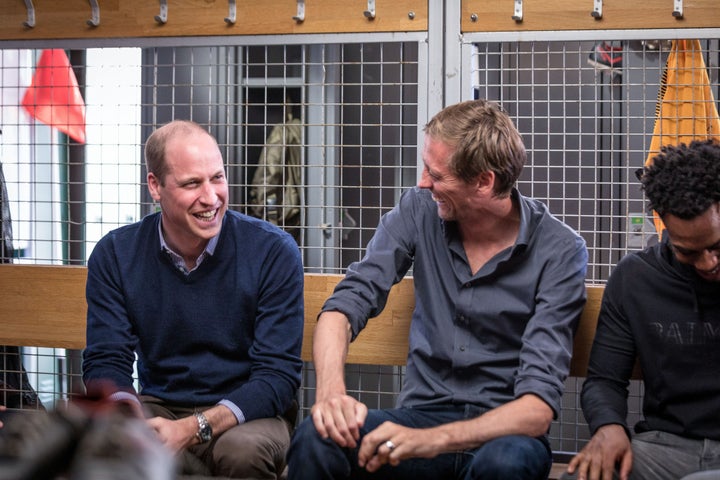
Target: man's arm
335, 414
179, 434
110, 352
528, 415
604, 393
275, 370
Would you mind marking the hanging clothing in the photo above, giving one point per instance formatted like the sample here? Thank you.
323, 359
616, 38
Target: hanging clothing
15, 388
6, 236
276, 194
685, 109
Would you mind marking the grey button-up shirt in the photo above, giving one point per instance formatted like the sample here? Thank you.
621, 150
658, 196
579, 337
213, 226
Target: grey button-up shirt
481, 339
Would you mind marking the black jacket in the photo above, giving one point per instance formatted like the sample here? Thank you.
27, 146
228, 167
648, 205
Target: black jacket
661, 311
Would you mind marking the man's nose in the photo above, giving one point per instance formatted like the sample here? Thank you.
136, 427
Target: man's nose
424, 181
707, 261
208, 195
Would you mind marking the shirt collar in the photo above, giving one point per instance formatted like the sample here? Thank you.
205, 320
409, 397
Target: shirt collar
177, 259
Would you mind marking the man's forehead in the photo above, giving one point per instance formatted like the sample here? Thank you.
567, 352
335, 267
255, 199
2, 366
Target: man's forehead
699, 233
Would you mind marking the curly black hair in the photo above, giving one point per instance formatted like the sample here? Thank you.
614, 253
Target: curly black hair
683, 180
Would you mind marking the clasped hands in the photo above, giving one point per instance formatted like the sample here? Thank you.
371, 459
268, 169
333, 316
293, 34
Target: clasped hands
340, 418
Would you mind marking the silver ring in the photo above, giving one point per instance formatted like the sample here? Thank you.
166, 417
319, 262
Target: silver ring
390, 445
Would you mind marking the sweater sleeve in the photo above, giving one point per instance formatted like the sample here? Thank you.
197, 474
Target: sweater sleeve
612, 358
110, 352
275, 350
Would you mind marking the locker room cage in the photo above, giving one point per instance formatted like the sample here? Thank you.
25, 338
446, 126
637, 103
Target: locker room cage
362, 101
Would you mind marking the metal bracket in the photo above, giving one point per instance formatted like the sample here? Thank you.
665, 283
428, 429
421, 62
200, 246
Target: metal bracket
30, 22
232, 13
162, 17
95, 20
678, 12
518, 12
597, 10
300, 15
370, 12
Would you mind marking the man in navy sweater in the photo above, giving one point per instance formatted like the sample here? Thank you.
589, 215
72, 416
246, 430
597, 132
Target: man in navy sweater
211, 302
662, 306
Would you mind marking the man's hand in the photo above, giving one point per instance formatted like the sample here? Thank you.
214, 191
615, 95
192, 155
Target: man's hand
175, 434
610, 445
391, 443
340, 418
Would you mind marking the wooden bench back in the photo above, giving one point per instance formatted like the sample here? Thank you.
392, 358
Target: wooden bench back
44, 306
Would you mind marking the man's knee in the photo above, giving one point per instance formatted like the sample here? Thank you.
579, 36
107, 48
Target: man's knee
511, 457
253, 450
311, 456
305, 432
307, 441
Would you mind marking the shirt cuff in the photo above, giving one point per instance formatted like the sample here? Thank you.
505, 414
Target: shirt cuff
120, 396
234, 409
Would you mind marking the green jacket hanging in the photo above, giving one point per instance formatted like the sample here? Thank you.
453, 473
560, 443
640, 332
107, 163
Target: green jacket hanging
276, 194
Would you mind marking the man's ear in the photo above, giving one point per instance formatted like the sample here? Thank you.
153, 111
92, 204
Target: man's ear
153, 186
486, 181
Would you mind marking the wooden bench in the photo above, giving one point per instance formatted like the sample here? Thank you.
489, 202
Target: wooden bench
44, 306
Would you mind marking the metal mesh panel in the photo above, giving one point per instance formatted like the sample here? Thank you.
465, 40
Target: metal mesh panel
359, 105
586, 129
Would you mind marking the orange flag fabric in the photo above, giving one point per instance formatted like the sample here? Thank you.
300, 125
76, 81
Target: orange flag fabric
686, 109
54, 96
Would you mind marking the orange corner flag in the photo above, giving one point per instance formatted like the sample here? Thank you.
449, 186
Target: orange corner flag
54, 97
686, 108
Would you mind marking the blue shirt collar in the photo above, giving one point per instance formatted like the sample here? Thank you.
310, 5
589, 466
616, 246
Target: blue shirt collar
177, 259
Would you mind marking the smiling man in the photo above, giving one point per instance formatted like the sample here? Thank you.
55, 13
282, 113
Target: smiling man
499, 287
211, 302
662, 306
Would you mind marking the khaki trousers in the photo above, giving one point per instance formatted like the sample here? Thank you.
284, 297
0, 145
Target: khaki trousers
254, 450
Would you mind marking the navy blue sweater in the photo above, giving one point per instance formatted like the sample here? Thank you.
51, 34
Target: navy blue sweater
230, 330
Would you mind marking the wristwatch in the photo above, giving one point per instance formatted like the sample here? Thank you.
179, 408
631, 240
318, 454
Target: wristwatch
204, 433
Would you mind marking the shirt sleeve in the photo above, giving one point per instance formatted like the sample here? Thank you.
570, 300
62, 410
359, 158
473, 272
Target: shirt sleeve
612, 358
363, 292
548, 338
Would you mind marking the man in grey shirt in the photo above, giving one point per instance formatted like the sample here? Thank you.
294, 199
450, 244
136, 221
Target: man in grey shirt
499, 288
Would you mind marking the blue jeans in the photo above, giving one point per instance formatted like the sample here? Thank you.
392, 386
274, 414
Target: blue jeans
506, 458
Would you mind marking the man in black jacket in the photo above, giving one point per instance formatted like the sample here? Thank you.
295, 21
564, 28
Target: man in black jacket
662, 306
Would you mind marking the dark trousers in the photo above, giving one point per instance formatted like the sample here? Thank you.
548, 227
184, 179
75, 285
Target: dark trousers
507, 458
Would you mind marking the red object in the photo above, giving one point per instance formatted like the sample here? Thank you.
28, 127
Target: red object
606, 57
54, 96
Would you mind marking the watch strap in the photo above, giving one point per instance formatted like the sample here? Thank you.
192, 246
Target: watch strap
204, 432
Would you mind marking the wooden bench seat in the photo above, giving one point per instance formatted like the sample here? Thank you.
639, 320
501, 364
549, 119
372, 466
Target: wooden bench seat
44, 306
